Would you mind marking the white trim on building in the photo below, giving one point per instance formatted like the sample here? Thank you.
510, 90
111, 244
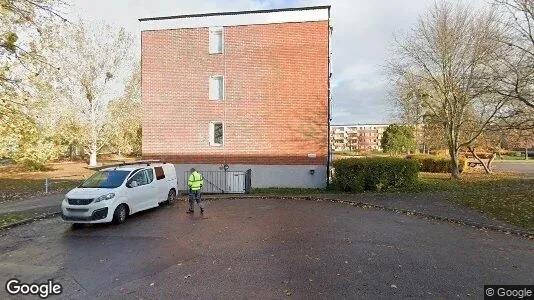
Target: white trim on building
319, 14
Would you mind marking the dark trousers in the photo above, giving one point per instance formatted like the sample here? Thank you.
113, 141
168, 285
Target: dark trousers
195, 196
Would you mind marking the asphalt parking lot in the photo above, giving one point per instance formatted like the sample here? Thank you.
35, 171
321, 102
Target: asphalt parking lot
254, 248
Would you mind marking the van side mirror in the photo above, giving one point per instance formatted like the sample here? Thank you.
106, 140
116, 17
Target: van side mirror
133, 184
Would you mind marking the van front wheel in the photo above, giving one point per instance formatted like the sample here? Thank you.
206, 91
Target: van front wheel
119, 216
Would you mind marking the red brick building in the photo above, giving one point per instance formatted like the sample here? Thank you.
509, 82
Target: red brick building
249, 90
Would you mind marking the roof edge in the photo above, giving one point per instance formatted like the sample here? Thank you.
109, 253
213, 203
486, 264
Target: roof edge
241, 12
359, 124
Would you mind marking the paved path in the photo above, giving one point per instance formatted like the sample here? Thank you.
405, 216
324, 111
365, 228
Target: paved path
524, 168
39, 204
253, 248
431, 204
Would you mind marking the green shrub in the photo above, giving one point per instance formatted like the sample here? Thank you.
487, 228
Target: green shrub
513, 153
437, 164
36, 156
373, 174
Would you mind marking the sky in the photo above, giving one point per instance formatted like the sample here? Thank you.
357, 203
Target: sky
362, 38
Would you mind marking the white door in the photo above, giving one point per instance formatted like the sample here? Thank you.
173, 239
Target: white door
153, 190
141, 190
235, 182
162, 184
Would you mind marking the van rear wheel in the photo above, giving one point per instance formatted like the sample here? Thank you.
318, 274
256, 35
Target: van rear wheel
119, 216
171, 197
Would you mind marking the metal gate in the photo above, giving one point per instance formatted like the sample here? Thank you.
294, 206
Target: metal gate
224, 182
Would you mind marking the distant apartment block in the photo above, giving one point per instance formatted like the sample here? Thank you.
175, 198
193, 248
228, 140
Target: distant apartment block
357, 137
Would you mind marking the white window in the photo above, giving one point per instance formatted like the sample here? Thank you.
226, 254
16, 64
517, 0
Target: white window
216, 40
216, 88
216, 133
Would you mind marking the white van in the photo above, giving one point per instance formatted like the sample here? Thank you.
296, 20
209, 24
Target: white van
113, 193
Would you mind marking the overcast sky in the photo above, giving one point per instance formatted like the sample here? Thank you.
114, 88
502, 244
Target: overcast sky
363, 34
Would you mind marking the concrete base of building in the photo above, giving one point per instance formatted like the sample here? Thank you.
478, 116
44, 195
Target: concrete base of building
266, 176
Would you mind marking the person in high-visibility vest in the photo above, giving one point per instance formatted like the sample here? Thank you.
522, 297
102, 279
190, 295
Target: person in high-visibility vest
195, 183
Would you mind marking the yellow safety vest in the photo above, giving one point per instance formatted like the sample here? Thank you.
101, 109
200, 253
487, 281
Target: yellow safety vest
195, 181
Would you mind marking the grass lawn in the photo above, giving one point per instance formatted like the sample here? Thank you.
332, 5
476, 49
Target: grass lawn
511, 201
6, 220
290, 191
17, 183
503, 196
516, 157
516, 160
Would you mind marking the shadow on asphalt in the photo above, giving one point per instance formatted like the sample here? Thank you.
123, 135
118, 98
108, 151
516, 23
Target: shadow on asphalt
137, 217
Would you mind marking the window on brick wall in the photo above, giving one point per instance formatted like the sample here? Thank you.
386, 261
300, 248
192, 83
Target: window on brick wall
216, 88
216, 40
216, 133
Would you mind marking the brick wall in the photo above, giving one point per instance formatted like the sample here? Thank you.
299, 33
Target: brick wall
276, 94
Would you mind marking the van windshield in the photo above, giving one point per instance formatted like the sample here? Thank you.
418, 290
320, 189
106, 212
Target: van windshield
105, 179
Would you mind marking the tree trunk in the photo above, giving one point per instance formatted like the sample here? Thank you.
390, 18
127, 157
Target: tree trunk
490, 162
526, 153
71, 152
452, 143
455, 170
486, 168
93, 154
92, 159
94, 137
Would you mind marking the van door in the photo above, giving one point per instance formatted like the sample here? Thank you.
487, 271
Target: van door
141, 190
161, 182
152, 200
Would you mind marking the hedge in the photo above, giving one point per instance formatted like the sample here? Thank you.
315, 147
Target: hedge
373, 173
437, 164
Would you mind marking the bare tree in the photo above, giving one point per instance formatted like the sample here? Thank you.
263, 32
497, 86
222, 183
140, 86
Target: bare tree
518, 18
94, 61
451, 56
519, 139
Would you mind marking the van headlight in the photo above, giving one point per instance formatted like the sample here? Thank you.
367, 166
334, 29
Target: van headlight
105, 197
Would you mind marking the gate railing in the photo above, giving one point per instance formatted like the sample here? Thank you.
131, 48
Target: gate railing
223, 182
